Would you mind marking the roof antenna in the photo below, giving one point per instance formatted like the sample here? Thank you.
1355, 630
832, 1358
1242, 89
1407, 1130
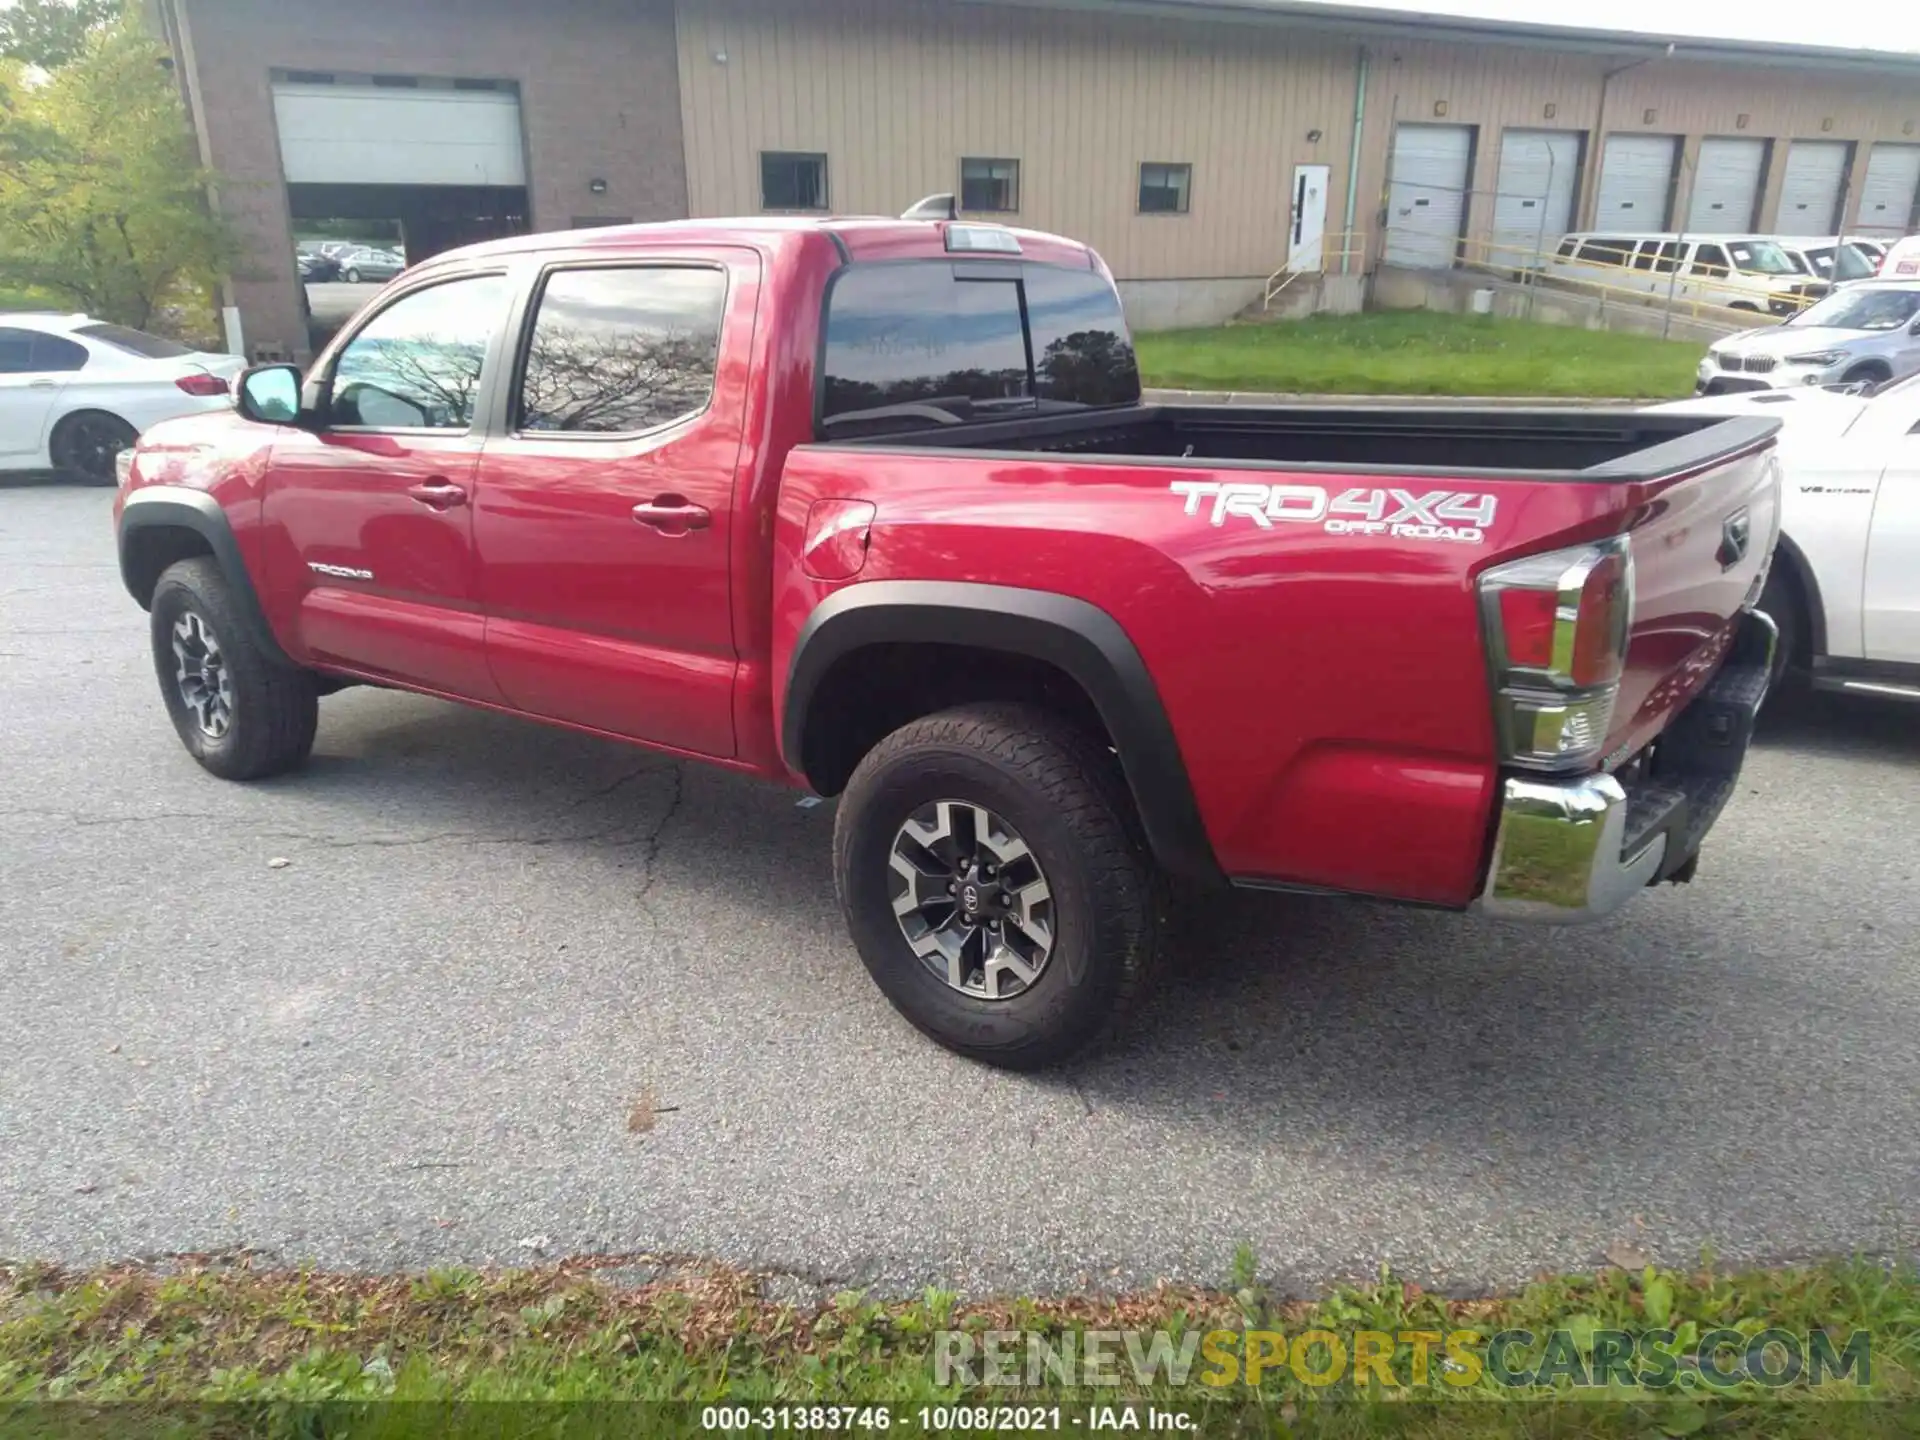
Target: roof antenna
934, 207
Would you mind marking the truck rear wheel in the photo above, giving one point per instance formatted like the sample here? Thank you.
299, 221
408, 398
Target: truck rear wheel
995, 887
239, 713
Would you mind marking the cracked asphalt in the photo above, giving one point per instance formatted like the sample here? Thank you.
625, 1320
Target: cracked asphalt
425, 1037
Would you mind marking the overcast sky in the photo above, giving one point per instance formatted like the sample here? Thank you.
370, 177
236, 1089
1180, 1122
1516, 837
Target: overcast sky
1878, 25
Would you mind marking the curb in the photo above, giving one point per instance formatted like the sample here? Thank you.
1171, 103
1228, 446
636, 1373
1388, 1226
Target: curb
1256, 397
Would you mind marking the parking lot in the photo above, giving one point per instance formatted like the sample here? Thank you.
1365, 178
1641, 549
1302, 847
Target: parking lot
517, 994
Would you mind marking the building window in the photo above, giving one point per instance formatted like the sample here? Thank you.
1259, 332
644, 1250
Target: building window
990, 185
792, 182
1165, 189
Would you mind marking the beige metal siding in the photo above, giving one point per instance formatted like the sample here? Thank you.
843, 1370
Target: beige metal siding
895, 94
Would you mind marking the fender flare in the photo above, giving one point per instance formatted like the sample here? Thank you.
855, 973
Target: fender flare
1796, 561
1078, 638
174, 507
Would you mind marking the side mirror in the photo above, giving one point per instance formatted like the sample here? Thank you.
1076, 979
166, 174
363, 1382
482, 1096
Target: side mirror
1914, 327
270, 394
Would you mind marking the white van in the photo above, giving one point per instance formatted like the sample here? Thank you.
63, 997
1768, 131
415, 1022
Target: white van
1739, 272
1824, 258
1903, 260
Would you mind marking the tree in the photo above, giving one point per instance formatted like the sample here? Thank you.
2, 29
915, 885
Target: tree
103, 204
51, 33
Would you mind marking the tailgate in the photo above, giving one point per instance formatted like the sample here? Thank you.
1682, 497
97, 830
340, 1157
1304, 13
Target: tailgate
1702, 541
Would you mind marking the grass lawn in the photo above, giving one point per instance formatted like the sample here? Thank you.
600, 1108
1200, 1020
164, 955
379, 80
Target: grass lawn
233, 1350
1419, 352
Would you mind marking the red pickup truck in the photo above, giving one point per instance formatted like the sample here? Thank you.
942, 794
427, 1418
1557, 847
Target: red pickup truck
875, 508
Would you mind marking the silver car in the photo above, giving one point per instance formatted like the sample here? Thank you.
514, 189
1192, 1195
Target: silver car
369, 263
1865, 333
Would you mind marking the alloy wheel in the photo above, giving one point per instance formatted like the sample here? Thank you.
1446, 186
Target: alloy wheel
201, 673
89, 446
971, 899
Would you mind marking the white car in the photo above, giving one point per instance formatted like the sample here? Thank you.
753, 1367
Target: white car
75, 391
1845, 586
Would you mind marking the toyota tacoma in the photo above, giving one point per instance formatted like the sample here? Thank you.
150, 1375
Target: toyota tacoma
875, 508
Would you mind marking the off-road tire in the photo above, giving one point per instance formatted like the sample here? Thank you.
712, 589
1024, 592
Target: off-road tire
1063, 793
274, 709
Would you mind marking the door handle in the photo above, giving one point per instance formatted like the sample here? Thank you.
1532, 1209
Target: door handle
673, 514
438, 494
43, 384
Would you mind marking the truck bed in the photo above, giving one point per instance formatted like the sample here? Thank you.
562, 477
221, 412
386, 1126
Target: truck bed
1612, 446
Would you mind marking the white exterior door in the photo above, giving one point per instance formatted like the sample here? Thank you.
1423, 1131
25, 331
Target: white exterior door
377, 135
1306, 241
1533, 206
1427, 201
1726, 186
1890, 600
1636, 183
1888, 193
1810, 187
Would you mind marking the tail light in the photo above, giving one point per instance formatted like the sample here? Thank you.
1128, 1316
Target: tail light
1557, 629
202, 384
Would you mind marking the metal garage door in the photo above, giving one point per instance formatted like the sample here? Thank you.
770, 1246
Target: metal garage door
379, 135
1810, 187
1887, 194
1636, 183
1427, 202
1539, 172
1726, 186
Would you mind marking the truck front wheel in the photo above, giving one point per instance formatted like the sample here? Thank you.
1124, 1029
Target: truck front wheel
239, 713
992, 878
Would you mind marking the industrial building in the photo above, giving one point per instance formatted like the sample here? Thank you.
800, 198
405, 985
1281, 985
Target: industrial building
1201, 147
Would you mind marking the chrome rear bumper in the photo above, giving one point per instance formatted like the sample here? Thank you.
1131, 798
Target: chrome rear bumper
1557, 856
1575, 849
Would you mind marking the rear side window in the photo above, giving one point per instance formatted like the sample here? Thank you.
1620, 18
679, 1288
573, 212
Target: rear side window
134, 342
933, 342
1606, 252
618, 351
32, 352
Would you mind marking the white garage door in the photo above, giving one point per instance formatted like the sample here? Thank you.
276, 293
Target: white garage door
1427, 202
1539, 171
1888, 193
376, 135
1726, 186
1636, 183
1810, 187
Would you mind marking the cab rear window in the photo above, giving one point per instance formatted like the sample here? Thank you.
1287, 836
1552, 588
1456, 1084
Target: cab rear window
938, 342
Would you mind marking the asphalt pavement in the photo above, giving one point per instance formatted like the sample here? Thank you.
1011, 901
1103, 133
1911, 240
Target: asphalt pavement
516, 994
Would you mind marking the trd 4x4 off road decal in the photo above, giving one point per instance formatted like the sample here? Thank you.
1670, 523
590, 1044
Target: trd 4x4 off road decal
1435, 515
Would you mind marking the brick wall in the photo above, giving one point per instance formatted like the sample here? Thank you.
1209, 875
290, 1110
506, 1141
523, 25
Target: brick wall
599, 95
